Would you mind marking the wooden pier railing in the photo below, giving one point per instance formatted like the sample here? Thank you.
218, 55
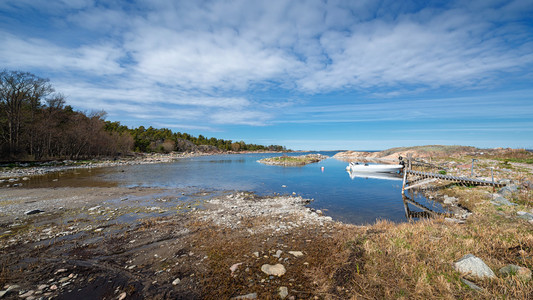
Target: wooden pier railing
422, 178
463, 180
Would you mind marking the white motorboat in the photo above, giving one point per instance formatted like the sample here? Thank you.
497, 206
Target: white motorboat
373, 168
369, 175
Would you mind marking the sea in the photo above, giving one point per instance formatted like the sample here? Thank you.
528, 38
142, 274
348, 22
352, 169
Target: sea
352, 198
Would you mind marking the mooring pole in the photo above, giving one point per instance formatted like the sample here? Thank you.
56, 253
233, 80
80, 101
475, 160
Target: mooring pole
405, 173
492, 175
472, 168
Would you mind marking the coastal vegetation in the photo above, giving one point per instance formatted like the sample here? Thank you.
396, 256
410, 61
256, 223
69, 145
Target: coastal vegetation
37, 124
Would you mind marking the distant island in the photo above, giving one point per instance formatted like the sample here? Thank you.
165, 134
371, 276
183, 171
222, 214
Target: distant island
288, 161
434, 151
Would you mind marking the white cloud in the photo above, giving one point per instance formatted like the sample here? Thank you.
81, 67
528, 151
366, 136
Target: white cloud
152, 59
442, 52
183, 126
240, 117
96, 59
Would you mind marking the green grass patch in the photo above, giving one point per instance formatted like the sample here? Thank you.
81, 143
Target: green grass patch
506, 161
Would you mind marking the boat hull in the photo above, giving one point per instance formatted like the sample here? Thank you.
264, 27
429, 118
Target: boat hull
370, 175
374, 168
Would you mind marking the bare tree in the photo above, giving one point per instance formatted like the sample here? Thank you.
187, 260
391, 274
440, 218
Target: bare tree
17, 91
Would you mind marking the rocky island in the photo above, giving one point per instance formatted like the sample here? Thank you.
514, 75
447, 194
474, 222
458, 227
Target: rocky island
288, 161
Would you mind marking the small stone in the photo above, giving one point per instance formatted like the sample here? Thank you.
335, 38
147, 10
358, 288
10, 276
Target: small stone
278, 254
277, 269
525, 215
27, 294
42, 287
256, 254
132, 267
33, 212
53, 287
122, 296
296, 253
471, 285
283, 292
176, 281
520, 272
9, 289
454, 220
247, 296
474, 266
234, 268
94, 208
449, 200
64, 279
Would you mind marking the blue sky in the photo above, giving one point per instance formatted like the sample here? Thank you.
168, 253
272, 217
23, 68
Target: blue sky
304, 74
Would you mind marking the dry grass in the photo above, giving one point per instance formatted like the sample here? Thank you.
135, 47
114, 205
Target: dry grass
326, 270
414, 260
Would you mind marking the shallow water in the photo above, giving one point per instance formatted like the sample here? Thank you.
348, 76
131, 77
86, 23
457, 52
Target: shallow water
357, 200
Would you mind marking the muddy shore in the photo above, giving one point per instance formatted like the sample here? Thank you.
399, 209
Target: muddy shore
139, 243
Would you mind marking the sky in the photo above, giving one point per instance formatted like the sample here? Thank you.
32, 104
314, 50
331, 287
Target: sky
309, 75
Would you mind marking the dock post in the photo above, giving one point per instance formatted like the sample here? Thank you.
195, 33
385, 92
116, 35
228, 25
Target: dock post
404, 179
472, 168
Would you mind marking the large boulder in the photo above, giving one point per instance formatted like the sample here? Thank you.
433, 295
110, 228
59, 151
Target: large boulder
508, 190
499, 200
474, 266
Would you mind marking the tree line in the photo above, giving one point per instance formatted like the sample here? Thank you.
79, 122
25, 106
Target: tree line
37, 124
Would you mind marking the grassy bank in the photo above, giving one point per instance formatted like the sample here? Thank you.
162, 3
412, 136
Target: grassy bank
415, 260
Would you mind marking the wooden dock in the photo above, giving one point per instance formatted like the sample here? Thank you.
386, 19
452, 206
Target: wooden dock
462, 180
423, 178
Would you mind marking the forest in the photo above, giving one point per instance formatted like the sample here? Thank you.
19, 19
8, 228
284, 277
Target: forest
36, 124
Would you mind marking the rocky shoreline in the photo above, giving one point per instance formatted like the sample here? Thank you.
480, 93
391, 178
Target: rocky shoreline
104, 241
25, 170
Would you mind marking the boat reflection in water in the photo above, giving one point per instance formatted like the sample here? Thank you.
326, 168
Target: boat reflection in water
384, 176
413, 209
